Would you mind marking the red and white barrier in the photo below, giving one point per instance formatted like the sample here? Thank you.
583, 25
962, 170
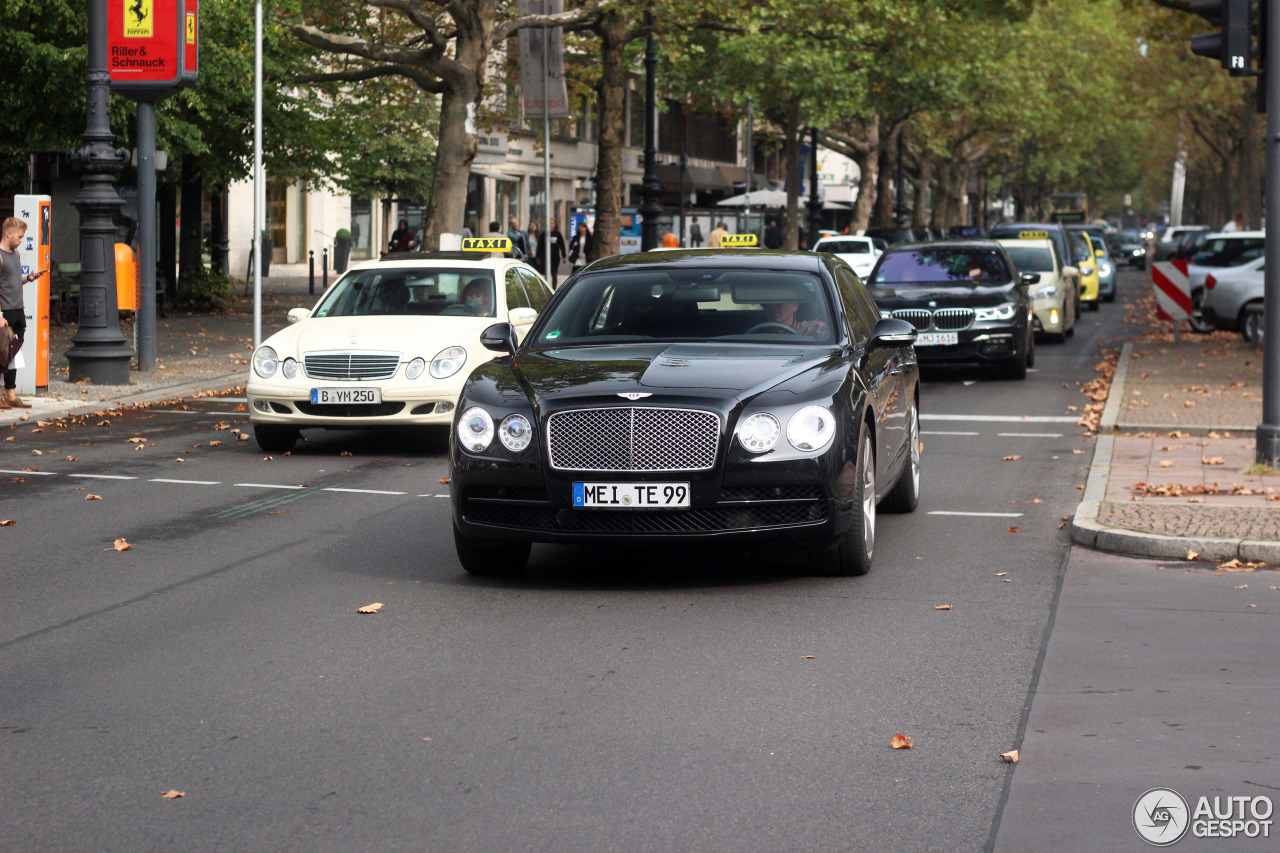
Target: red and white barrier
1173, 290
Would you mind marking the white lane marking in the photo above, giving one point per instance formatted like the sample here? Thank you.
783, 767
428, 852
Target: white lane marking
185, 482
978, 514
969, 382
364, 491
1008, 419
1029, 434
433, 496
944, 432
268, 486
102, 476
36, 473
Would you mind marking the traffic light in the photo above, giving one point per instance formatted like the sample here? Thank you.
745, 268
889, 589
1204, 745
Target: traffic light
1231, 44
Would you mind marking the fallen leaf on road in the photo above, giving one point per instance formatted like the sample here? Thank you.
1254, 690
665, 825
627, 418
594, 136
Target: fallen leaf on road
179, 459
1001, 574
104, 423
1165, 463
215, 444
1010, 458
444, 481
370, 608
902, 742
942, 607
1190, 404
8, 522
1015, 529
173, 795
1251, 605
268, 458
345, 453
139, 447
37, 453
121, 545
810, 657
1079, 452
1243, 586
276, 511
242, 437
1212, 460
135, 439
69, 459
1193, 555
1011, 756
222, 425
93, 497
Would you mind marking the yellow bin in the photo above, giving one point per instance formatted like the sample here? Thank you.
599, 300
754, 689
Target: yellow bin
127, 283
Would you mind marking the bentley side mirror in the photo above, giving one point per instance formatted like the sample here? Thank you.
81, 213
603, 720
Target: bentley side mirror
500, 337
892, 332
296, 314
1030, 278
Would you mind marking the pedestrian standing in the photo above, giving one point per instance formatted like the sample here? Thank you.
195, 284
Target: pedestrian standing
1236, 224
518, 243
695, 235
402, 238
580, 247
720, 232
773, 235
555, 247
532, 237
12, 312
420, 237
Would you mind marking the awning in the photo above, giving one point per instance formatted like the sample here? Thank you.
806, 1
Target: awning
498, 176
695, 177
736, 176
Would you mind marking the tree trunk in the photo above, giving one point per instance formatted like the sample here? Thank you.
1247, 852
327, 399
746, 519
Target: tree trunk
883, 216
920, 192
190, 238
869, 166
610, 100
447, 207
791, 159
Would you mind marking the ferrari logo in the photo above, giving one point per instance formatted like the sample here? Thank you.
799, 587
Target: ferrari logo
138, 19
732, 240
191, 28
486, 244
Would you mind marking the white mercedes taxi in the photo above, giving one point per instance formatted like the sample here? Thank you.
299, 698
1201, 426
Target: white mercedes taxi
391, 343
1055, 292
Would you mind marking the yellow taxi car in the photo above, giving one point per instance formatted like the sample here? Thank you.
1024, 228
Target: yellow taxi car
1087, 263
1055, 290
391, 343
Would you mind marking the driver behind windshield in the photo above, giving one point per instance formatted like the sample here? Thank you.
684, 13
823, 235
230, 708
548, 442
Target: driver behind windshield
784, 313
478, 297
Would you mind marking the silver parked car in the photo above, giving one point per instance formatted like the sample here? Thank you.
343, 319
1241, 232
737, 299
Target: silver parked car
1233, 299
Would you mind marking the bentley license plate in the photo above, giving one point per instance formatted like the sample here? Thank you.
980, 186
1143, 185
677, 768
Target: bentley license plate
937, 339
631, 495
369, 396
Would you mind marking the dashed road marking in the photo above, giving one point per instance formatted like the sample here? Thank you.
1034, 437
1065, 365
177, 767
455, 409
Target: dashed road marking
363, 491
267, 486
944, 432
977, 514
1029, 434
103, 476
1008, 419
33, 473
185, 482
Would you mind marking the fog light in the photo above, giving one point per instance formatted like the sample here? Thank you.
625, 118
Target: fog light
262, 406
443, 408
1053, 316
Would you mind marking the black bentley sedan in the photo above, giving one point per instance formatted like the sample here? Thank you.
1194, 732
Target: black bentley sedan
691, 395
966, 300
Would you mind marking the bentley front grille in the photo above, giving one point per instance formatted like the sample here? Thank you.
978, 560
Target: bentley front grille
351, 365
633, 439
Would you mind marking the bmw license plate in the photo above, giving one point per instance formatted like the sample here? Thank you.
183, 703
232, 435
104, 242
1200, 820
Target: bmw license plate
631, 495
937, 339
360, 396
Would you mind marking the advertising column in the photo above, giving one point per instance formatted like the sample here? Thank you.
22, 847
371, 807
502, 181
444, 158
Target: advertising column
35, 254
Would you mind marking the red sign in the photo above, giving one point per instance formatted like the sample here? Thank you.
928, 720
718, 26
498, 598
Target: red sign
151, 46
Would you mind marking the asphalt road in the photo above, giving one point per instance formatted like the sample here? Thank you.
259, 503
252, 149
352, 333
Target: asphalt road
629, 699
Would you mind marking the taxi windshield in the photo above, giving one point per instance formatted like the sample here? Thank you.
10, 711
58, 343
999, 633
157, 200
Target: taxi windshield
1030, 258
690, 304
844, 247
410, 290
953, 266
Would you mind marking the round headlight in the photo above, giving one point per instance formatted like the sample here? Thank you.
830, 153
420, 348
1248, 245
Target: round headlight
265, 362
448, 362
516, 432
289, 368
475, 429
1104, 269
1046, 292
811, 428
759, 433
414, 369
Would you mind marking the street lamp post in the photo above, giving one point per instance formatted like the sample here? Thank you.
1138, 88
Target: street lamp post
650, 208
98, 351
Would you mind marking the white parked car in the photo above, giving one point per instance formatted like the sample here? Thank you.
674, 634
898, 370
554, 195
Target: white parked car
1055, 297
858, 252
1233, 299
391, 343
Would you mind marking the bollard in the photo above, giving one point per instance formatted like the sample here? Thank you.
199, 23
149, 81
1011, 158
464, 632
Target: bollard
324, 265
311, 271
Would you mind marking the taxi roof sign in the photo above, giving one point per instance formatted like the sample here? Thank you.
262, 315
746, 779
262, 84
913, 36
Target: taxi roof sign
1033, 235
486, 244
738, 240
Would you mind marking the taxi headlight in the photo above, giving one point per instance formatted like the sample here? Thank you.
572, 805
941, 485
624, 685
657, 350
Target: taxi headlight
448, 362
1086, 271
1000, 312
475, 429
289, 368
811, 429
265, 362
1047, 291
759, 432
414, 369
516, 432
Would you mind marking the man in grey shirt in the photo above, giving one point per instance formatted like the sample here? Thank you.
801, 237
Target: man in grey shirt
11, 308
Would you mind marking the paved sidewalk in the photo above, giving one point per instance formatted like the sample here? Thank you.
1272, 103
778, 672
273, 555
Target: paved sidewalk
194, 353
1173, 470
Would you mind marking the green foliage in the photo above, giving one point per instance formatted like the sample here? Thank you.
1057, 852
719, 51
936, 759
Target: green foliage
206, 291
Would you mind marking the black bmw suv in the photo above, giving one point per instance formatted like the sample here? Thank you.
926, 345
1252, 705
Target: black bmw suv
965, 298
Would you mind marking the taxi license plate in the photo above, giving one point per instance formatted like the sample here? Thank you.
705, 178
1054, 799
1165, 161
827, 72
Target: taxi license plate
631, 495
937, 339
359, 396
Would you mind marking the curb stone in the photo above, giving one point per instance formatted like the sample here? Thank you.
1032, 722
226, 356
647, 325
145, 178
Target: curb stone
1085, 529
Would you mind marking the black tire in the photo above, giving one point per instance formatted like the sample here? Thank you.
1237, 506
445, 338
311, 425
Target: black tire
851, 554
1016, 367
1110, 297
1196, 321
905, 496
1031, 350
1077, 308
1253, 323
491, 557
275, 438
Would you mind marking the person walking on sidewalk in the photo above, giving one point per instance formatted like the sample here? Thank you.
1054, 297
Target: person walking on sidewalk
12, 313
